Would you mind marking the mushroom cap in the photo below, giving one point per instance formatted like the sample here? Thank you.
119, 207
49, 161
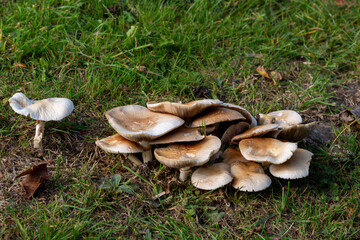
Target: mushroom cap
188, 154
51, 109
249, 177
255, 132
118, 144
243, 111
211, 177
137, 123
234, 130
296, 133
266, 150
283, 117
216, 115
231, 156
296, 167
183, 110
181, 134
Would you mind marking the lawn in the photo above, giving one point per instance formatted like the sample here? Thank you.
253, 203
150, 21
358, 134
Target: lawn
103, 54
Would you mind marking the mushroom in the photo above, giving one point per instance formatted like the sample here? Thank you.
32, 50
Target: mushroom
284, 118
187, 155
119, 144
231, 156
139, 124
249, 118
249, 177
295, 133
183, 110
216, 115
234, 130
211, 177
296, 167
255, 132
267, 150
51, 109
181, 134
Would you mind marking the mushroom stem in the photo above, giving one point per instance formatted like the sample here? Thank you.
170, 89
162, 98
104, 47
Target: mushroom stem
133, 158
184, 173
147, 153
39, 132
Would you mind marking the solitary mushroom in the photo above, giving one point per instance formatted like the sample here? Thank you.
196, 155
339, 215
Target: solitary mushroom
51, 109
139, 124
211, 177
187, 155
296, 167
118, 144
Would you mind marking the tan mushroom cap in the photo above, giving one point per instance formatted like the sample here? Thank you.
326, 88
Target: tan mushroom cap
231, 156
234, 130
216, 115
249, 118
296, 133
183, 110
296, 167
138, 123
211, 177
181, 134
118, 144
284, 118
249, 177
255, 132
188, 154
267, 150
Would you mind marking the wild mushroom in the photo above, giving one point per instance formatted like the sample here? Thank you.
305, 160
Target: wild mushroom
181, 134
211, 177
216, 115
51, 109
249, 177
183, 110
249, 118
255, 132
296, 167
267, 150
284, 118
119, 144
187, 155
139, 124
234, 130
295, 133
231, 156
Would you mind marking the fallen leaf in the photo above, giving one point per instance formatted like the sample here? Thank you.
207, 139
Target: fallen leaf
35, 176
263, 72
21, 65
273, 75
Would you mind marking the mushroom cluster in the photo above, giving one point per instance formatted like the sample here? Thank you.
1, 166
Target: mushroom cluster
190, 135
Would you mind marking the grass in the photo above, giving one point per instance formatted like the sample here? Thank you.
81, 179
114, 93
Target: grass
104, 54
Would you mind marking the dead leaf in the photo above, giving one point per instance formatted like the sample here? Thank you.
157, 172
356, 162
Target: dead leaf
276, 76
35, 176
273, 75
263, 72
21, 65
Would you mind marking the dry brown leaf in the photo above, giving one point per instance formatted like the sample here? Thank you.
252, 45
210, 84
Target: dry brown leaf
35, 176
21, 65
262, 72
276, 76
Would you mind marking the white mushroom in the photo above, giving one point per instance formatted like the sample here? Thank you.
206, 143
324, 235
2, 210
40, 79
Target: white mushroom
118, 144
186, 155
51, 109
267, 150
139, 124
296, 167
211, 177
